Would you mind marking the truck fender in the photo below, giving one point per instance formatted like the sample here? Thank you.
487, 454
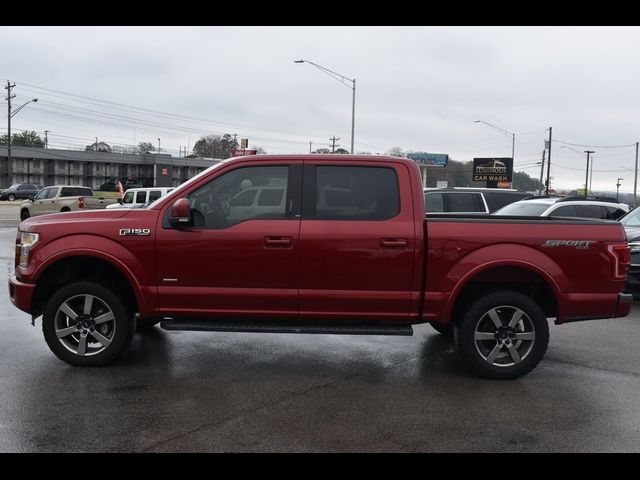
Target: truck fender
503, 255
77, 245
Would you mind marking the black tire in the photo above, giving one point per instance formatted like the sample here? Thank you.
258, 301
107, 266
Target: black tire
11, 197
446, 330
146, 324
65, 209
24, 214
115, 325
508, 351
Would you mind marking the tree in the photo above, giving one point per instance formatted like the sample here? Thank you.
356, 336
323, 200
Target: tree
98, 147
396, 152
342, 151
24, 139
322, 150
145, 147
523, 181
215, 146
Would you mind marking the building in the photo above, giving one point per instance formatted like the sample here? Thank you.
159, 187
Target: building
92, 169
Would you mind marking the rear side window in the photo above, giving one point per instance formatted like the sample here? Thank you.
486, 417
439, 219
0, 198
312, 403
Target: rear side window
465, 202
154, 195
75, 192
498, 199
564, 211
141, 197
356, 193
589, 211
613, 213
434, 202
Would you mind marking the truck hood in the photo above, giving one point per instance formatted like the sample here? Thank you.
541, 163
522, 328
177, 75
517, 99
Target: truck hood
88, 216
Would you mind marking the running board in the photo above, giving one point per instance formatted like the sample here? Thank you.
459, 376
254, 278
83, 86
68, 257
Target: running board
256, 327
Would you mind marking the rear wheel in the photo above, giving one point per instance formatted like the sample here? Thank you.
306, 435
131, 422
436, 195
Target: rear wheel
503, 335
86, 324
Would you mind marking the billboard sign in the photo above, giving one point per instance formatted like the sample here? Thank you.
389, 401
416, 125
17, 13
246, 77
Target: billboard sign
492, 169
435, 159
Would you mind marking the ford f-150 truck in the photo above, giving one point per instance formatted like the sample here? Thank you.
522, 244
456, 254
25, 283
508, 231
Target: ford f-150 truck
334, 244
62, 198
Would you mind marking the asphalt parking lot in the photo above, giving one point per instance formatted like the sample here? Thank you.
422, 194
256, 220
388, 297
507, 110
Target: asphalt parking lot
241, 392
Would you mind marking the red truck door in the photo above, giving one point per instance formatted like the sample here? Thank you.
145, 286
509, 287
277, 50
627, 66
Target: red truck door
357, 241
240, 256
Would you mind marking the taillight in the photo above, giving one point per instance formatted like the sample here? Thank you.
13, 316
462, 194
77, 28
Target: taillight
621, 254
81, 202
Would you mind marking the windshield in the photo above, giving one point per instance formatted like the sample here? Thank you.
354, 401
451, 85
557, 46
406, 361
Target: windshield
175, 194
524, 208
632, 219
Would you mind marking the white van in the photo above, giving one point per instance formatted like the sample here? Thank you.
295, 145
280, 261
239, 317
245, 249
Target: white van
136, 197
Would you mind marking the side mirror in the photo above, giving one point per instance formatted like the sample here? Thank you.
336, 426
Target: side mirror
180, 213
120, 201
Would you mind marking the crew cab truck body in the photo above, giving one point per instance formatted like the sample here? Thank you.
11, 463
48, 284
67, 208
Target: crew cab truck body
349, 250
62, 198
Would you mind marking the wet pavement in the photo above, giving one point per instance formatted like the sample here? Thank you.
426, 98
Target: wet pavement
242, 392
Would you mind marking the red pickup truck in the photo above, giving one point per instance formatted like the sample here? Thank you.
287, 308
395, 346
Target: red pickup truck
315, 244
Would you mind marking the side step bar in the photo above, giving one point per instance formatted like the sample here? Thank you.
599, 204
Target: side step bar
259, 327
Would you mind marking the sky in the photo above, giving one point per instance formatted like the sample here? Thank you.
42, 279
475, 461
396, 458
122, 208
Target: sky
417, 88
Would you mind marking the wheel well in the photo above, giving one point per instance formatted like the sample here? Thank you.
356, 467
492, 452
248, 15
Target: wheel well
517, 279
82, 268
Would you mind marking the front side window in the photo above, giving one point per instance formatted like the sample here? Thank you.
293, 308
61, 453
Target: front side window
128, 198
356, 193
42, 194
154, 195
229, 199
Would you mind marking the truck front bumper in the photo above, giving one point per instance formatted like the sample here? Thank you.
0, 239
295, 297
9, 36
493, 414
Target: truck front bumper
21, 293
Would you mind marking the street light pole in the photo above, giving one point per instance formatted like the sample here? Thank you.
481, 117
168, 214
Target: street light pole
618, 188
586, 181
341, 78
9, 115
504, 132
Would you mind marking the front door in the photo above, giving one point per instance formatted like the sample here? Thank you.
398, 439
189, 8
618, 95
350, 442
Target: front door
239, 255
43, 202
357, 242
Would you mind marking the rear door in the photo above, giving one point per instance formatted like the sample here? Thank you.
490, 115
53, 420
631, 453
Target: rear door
356, 242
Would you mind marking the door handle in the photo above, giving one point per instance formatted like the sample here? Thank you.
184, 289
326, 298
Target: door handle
393, 242
277, 242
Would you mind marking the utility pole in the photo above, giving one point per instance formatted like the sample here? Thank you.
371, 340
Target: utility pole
310, 146
46, 139
548, 165
333, 144
586, 181
9, 163
544, 152
635, 180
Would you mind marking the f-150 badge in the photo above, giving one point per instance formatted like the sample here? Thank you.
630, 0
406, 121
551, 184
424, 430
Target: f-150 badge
135, 231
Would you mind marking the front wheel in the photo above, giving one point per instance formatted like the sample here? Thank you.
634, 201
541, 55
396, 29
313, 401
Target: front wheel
86, 324
503, 335
24, 214
11, 197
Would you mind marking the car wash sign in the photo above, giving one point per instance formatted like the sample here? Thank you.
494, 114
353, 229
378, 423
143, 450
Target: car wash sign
492, 169
435, 159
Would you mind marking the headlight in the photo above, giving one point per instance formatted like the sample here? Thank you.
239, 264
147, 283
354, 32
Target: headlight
27, 241
635, 247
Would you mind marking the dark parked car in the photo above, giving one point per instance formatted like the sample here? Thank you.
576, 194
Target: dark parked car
108, 187
20, 190
631, 224
470, 199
